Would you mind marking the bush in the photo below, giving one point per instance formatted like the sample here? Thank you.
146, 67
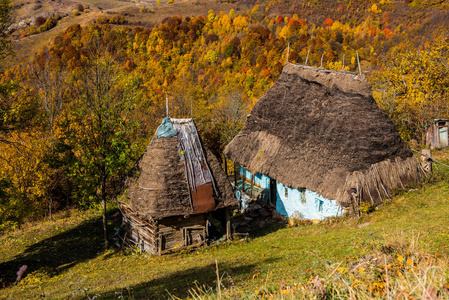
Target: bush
80, 7
39, 21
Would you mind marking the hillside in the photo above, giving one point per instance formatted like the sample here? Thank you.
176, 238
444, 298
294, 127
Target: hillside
408, 236
136, 13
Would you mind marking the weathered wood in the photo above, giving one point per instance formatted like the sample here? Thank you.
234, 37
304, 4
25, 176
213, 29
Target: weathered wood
236, 170
165, 235
243, 179
252, 186
207, 229
426, 160
228, 224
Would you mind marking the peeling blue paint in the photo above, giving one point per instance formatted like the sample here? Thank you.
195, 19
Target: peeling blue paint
297, 203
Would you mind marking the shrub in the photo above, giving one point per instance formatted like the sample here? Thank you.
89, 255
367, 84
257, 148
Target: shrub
39, 21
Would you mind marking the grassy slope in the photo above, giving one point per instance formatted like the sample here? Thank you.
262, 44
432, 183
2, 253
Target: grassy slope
68, 252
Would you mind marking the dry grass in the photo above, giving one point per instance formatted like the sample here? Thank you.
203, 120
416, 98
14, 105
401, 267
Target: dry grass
396, 269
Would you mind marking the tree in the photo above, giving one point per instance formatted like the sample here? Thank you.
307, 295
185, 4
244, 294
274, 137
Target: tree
5, 22
229, 114
99, 130
413, 86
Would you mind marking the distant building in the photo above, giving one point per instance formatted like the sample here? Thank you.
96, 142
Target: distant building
437, 134
317, 144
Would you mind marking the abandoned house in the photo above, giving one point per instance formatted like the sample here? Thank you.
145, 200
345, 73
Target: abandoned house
180, 182
437, 134
317, 145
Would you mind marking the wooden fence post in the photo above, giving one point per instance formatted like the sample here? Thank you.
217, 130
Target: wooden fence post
426, 160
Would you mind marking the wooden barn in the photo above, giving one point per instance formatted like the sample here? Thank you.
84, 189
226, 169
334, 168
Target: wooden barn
316, 145
180, 182
437, 134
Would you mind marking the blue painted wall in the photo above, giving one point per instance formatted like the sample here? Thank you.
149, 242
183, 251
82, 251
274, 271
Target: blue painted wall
292, 204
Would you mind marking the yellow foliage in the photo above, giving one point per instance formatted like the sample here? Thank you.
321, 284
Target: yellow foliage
285, 32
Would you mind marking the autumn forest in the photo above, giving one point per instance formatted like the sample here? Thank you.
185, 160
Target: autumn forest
76, 116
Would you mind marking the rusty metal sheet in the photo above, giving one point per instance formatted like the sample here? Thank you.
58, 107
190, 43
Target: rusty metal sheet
203, 199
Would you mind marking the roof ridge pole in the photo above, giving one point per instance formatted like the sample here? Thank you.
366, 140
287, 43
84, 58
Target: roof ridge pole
288, 50
307, 58
358, 62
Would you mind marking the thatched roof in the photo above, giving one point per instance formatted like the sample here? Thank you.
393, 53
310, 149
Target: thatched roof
314, 128
162, 189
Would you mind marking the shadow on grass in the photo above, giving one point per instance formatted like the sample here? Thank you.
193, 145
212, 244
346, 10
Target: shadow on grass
57, 253
177, 285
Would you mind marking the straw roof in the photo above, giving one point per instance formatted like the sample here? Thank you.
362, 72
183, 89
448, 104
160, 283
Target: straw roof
161, 189
317, 129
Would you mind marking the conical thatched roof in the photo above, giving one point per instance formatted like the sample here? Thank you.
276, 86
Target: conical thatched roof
322, 130
162, 189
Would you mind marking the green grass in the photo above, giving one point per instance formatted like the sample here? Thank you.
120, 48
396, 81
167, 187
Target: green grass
66, 259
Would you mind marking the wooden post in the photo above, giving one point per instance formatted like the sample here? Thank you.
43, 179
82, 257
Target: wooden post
236, 170
426, 160
243, 179
228, 224
252, 185
206, 232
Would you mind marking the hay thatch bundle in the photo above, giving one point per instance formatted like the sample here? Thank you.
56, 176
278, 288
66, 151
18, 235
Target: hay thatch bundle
322, 130
161, 189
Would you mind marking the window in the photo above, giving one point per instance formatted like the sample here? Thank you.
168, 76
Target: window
303, 195
286, 192
320, 205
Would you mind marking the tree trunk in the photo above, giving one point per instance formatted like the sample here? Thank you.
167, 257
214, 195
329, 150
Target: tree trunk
103, 205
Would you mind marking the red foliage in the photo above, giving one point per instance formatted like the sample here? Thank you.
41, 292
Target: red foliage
328, 22
217, 79
280, 20
266, 72
387, 32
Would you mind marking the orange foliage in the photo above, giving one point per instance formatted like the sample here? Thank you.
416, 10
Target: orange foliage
328, 22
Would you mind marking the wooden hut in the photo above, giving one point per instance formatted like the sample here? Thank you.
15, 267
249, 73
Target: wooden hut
180, 182
318, 143
437, 133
